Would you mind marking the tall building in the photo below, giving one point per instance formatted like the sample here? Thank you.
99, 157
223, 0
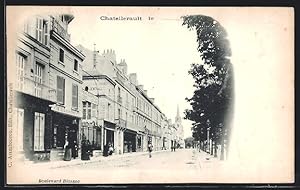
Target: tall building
48, 69
128, 118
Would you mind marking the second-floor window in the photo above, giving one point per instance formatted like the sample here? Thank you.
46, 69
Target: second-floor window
38, 79
42, 31
89, 110
20, 65
61, 55
75, 65
75, 96
60, 90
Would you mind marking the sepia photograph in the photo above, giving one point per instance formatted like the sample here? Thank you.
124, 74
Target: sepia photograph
143, 95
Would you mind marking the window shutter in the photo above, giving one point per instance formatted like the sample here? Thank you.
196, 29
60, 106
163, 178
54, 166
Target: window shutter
93, 110
46, 32
63, 90
89, 110
39, 29
75, 96
36, 131
84, 110
42, 131
60, 89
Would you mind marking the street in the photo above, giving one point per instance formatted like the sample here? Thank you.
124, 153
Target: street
182, 166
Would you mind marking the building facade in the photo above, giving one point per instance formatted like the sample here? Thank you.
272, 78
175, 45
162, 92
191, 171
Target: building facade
129, 119
48, 69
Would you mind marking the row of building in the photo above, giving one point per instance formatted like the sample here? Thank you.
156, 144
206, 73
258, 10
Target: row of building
67, 93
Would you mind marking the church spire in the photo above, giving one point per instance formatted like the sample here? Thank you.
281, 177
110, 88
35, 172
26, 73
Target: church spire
178, 118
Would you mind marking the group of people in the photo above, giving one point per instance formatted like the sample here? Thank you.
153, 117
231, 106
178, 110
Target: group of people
71, 149
108, 149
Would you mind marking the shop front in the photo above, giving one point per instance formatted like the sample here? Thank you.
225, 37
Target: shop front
32, 121
109, 134
65, 129
139, 143
91, 134
130, 141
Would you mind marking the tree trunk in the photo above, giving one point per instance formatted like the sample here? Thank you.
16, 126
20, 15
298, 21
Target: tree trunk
215, 151
212, 148
222, 148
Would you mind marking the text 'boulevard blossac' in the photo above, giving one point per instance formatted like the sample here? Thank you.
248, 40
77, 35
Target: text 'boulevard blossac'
212, 102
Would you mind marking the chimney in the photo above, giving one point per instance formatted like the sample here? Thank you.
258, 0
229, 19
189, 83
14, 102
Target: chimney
152, 100
145, 91
141, 87
133, 78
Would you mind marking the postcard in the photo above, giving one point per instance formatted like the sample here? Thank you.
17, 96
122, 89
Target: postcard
123, 95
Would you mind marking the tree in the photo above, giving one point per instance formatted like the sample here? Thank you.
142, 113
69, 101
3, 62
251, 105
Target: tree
213, 96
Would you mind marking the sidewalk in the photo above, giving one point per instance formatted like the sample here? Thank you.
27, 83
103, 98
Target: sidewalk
78, 161
207, 161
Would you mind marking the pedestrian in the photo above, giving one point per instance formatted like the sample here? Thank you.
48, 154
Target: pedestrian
74, 149
174, 146
150, 148
110, 148
67, 154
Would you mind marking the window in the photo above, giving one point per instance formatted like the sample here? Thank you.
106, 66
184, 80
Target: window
94, 109
39, 128
39, 29
60, 90
42, 31
75, 96
84, 110
20, 65
38, 78
119, 113
87, 110
61, 55
46, 32
75, 65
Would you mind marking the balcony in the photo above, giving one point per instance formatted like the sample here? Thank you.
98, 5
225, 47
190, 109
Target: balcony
121, 123
39, 90
59, 29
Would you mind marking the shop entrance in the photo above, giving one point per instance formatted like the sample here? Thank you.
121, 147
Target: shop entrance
129, 142
109, 137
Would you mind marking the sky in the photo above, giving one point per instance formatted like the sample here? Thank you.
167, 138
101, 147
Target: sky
160, 59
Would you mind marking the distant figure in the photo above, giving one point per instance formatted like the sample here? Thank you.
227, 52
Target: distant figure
174, 146
74, 148
150, 148
110, 149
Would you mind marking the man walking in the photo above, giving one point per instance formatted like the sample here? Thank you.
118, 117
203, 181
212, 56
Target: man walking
150, 148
